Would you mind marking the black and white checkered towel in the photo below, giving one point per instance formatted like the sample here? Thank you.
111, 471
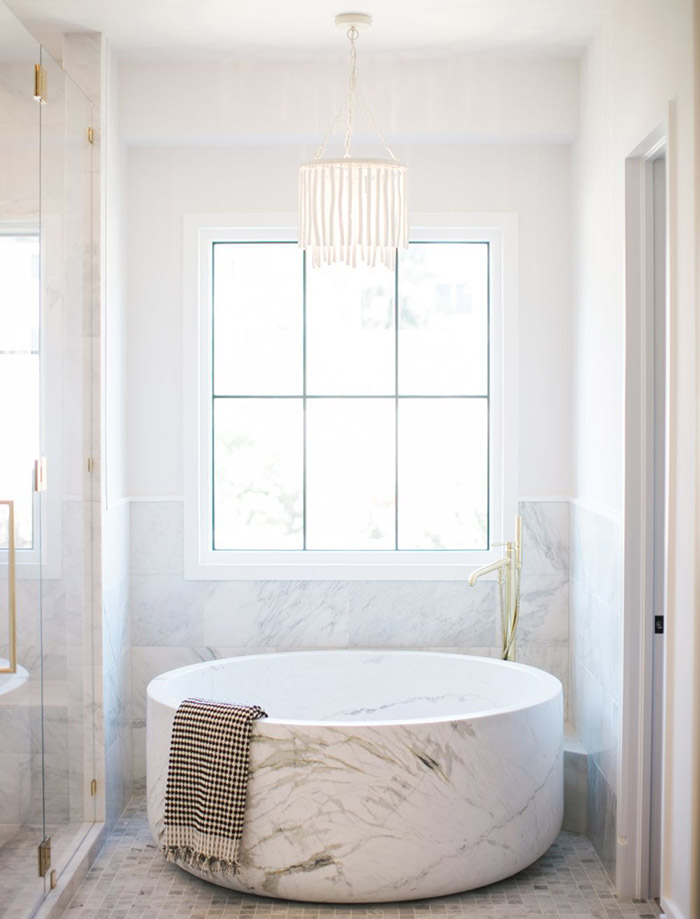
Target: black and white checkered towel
207, 782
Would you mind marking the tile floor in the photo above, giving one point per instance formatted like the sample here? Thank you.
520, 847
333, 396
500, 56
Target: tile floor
131, 880
20, 884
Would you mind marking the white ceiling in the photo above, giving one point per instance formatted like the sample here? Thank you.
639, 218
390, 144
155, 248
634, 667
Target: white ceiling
167, 29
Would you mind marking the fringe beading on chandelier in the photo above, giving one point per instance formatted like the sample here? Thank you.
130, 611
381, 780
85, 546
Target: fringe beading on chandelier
352, 209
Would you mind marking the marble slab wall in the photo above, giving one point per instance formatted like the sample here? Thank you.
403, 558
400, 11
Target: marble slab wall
595, 664
176, 622
116, 656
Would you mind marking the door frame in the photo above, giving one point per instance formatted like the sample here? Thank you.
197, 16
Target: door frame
634, 793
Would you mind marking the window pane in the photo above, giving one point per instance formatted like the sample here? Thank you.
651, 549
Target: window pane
257, 319
350, 474
258, 473
443, 473
443, 319
19, 435
350, 331
19, 306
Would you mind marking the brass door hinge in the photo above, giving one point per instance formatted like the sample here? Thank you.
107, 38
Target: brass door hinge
91, 135
40, 84
90, 464
93, 788
44, 857
40, 474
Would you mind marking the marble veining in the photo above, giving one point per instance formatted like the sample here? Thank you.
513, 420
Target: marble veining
595, 663
444, 775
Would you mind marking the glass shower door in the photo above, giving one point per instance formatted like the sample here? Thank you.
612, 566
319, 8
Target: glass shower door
21, 658
68, 345
47, 508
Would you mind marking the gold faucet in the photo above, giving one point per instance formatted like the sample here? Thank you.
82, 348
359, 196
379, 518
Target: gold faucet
508, 568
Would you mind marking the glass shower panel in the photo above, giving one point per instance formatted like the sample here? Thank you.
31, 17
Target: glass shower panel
68, 345
21, 728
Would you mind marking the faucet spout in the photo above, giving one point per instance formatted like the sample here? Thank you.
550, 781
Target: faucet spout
487, 569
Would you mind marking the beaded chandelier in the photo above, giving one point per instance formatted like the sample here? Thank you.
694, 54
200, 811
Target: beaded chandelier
351, 209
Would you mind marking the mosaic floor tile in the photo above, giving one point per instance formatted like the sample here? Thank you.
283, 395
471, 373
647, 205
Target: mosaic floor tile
131, 880
20, 885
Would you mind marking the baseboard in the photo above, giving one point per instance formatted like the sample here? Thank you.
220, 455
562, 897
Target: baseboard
670, 910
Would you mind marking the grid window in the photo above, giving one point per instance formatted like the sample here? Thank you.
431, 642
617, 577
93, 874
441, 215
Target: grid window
350, 407
19, 381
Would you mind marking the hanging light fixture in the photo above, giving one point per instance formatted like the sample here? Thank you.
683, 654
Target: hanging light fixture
352, 209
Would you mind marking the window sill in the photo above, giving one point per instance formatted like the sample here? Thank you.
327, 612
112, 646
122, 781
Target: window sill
344, 566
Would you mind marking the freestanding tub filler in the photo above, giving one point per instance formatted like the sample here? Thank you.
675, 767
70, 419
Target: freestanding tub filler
380, 776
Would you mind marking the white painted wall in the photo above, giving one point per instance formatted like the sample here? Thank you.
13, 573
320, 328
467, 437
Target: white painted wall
457, 99
639, 70
114, 369
116, 618
173, 169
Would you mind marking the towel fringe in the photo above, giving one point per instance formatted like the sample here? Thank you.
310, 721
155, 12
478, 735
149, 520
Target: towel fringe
208, 864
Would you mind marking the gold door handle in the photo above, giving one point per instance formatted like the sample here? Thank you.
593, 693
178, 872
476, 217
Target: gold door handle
11, 589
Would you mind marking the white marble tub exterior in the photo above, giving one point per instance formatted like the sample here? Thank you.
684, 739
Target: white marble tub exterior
380, 776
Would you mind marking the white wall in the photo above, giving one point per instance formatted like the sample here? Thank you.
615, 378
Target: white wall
458, 99
173, 170
639, 71
116, 618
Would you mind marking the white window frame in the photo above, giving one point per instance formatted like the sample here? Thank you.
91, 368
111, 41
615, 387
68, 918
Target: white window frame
202, 562
43, 560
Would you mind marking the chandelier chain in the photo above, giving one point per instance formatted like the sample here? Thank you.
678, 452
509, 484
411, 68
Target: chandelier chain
330, 132
352, 87
373, 121
354, 95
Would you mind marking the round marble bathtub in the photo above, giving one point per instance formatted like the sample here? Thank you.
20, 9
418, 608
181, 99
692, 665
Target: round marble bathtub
380, 776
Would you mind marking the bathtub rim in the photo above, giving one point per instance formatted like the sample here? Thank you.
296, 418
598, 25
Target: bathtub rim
156, 690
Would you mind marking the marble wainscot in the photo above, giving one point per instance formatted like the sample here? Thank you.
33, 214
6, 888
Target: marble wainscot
380, 776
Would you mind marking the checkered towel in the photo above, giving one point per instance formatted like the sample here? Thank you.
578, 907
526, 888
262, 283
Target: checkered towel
207, 782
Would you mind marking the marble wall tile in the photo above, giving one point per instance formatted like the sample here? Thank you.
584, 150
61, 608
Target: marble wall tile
544, 609
403, 614
166, 610
546, 526
285, 614
118, 784
138, 740
116, 621
114, 746
17, 793
54, 730
45, 602
552, 658
596, 620
575, 792
596, 551
595, 638
21, 723
602, 818
56, 787
148, 662
595, 715
116, 526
